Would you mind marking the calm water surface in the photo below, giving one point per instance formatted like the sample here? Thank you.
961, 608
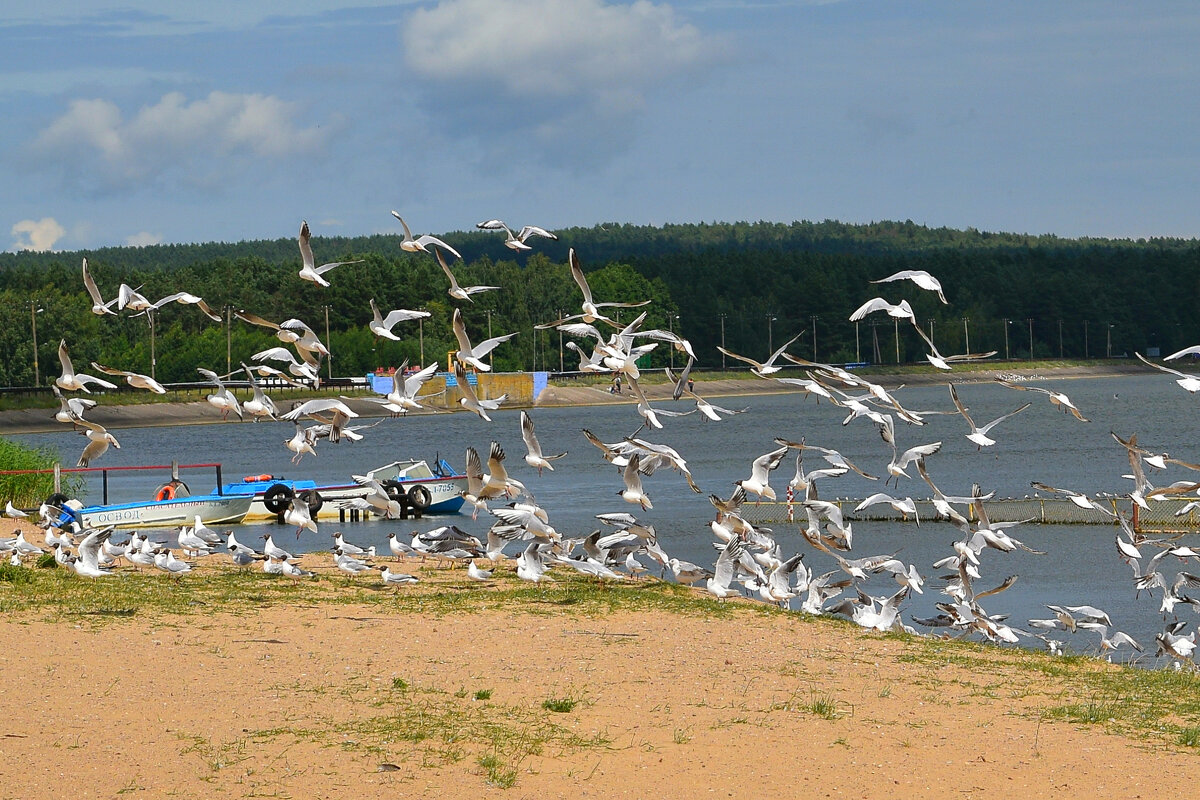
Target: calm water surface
1042, 443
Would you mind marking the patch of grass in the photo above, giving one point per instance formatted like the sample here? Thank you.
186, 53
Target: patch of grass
825, 707
399, 684
46, 561
560, 705
438, 728
482, 694
10, 573
681, 736
498, 771
1188, 737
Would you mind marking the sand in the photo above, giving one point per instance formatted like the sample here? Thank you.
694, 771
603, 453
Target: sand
337, 700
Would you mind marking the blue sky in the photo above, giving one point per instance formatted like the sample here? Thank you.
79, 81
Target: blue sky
155, 121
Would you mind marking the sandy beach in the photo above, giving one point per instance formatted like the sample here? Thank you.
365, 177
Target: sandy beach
339, 688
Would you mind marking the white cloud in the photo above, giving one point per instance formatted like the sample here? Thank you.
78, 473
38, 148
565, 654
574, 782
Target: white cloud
143, 239
203, 140
549, 69
37, 234
536, 48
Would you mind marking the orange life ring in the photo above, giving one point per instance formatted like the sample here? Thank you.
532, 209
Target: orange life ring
257, 478
166, 492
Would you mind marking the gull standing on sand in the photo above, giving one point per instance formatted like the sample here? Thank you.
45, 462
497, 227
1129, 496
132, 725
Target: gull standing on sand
420, 244
978, 434
72, 381
310, 271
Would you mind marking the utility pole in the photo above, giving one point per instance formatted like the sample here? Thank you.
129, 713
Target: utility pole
329, 358
857, 349
896, 325
966, 333
1060, 347
1108, 343
33, 312
1030, 321
722, 315
814, 319
1085, 340
560, 341
228, 340
770, 342
1006, 356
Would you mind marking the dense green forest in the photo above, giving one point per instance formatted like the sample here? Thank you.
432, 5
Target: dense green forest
751, 284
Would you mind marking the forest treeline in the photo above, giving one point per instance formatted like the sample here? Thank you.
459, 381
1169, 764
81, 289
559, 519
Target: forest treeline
752, 285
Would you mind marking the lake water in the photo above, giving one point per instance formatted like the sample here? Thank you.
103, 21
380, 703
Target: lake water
1042, 444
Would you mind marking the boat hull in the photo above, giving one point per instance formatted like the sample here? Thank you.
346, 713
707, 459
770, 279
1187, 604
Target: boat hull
213, 510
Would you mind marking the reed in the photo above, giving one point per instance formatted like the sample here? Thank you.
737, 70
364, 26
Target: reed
28, 491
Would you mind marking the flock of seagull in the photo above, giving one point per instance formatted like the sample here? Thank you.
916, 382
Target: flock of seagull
750, 560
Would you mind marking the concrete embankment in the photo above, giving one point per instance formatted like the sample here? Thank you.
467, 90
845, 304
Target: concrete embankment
559, 393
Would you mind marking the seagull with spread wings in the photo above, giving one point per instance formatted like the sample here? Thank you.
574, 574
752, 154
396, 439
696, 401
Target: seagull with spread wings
382, 326
921, 278
456, 291
70, 379
309, 271
420, 244
516, 241
134, 379
469, 354
99, 307
979, 433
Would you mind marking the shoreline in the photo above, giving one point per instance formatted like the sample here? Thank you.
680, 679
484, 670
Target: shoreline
143, 415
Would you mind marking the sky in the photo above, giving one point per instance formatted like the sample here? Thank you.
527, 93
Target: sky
155, 121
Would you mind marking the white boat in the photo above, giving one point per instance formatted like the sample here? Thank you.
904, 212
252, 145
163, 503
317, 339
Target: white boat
213, 509
419, 488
